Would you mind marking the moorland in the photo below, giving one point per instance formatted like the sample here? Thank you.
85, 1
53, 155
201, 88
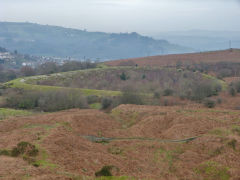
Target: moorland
162, 117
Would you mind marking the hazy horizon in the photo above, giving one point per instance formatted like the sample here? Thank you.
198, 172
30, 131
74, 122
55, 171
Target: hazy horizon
143, 16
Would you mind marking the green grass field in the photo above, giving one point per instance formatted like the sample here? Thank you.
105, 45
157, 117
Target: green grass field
5, 113
21, 84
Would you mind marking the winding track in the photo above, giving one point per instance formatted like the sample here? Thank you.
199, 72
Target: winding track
107, 140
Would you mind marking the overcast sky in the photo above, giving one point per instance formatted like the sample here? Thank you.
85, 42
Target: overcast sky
143, 16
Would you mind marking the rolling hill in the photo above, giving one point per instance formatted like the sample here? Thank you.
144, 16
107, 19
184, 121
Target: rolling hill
206, 146
232, 55
172, 138
48, 40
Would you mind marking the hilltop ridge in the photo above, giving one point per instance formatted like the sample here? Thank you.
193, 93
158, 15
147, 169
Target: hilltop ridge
48, 40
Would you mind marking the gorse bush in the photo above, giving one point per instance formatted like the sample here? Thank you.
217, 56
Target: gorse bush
24, 148
209, 103
106, 103
106, 171
234, 88
123, 76
168, 92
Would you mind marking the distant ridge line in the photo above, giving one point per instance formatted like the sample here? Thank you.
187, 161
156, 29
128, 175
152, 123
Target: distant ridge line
227, 55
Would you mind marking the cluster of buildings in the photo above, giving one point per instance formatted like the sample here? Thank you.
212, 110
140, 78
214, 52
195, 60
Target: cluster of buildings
16, 60
7, 57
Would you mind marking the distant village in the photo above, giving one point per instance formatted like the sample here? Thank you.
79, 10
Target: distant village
16, 60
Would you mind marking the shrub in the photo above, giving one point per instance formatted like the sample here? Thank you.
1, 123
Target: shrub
209, 103
165, 102
27, 100
216, 89
27, 151
115, 150
232, 91
27, 71
232, 143
236, 129
4, 152
219, 101
24, 148
237, 86
61, 100
202, 90
157, 95
106, 171
76, 65
47, 68
212, 170
123, 76
48, 101
168, 92
129, 97
92, 99
15, 152
106, 103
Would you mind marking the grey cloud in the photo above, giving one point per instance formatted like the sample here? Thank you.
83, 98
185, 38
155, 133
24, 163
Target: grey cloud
144, 16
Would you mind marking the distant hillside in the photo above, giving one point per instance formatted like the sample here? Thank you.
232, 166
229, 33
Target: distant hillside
47, 40
202, 40
232, 55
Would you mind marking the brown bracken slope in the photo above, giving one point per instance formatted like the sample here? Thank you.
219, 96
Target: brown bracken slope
232, 55
65, 153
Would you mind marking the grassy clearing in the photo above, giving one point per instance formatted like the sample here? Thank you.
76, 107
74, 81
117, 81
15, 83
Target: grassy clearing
236, 130
168, 157
96, 106
223, 83
212, 170
5, 113
126, 119
43, 159
46, 127
220, 132
22, 84
185, 111
223, 132
49, 127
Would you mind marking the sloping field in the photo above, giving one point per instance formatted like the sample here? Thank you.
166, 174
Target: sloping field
22, 84
171, 60
108, 82
4, 113
66, 153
